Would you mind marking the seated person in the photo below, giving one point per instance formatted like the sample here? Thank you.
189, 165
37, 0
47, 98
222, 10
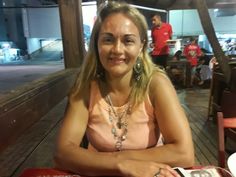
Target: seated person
175, 72
203, 70
212, 62
177, 55
126, 106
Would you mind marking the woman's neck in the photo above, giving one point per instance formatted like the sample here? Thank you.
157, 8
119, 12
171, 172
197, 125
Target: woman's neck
118, 89
119, 84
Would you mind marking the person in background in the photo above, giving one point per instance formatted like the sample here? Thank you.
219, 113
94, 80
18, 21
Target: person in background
212, 63
192, 52
203, 70
175, 72
126, 106
177, 56
161, 32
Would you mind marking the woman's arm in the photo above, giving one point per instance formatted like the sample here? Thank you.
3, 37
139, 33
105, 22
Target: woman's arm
178, 149
69, 155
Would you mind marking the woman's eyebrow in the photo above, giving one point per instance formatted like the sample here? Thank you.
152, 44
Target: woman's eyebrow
106, 33
132, 35
110, 34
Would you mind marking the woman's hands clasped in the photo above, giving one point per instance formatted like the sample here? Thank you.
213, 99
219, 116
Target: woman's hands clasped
134, 168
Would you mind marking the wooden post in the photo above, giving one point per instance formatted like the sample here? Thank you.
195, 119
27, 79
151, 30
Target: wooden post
210, 33
72, 32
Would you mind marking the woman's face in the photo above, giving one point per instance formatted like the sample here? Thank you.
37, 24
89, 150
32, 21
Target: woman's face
119, 45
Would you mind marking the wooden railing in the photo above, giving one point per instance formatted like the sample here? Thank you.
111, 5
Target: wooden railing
24, 107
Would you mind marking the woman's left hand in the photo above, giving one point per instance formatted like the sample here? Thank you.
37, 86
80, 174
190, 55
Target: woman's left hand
136, 168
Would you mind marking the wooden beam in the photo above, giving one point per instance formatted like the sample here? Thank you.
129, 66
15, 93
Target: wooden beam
72, 32
210, 33
24, 107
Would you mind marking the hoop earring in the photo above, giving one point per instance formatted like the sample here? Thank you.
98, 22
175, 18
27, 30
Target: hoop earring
138, 69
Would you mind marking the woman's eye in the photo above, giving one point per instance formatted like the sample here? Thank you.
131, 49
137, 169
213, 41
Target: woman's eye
129, 41
107, 40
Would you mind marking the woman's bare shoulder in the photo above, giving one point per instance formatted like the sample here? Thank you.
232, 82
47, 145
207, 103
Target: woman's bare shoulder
160, 86
83, 94
159, 79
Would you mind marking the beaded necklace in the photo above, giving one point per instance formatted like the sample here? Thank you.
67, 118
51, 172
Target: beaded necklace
119, 123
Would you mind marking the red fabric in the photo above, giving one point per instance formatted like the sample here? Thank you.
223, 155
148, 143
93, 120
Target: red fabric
47, 172
159, 37
52, 172
192, 52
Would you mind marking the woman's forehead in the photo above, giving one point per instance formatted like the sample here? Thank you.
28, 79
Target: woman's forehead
119, 22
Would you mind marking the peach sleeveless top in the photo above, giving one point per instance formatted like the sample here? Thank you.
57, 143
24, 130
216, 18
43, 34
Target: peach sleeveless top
143, 131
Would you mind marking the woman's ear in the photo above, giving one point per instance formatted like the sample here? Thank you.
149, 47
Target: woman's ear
144, 44
141, 47
140, 50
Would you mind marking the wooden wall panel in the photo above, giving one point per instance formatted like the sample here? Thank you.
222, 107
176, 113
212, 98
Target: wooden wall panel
18, 111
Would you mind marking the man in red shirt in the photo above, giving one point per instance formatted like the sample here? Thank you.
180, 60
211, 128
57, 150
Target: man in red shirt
192, 51
161, 32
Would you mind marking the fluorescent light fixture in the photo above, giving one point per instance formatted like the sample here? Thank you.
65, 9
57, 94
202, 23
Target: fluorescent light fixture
148, 8
89, 3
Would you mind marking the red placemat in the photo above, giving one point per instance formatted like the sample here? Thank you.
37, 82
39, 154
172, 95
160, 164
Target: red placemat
46, 172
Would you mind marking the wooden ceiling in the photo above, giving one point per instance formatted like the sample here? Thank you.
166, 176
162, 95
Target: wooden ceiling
179, 4
183, 4
171, 4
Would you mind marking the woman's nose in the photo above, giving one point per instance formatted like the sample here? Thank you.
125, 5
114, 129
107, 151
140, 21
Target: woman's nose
118, 47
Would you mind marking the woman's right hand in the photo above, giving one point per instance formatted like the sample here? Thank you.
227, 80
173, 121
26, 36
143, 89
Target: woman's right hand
134, 168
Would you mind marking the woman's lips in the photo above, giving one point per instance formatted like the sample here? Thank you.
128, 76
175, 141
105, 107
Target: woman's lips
117, 60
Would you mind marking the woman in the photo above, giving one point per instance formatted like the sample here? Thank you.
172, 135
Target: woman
124, 104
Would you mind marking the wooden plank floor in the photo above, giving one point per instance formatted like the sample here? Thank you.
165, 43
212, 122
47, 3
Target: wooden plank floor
204, 131
36, 146
195, 103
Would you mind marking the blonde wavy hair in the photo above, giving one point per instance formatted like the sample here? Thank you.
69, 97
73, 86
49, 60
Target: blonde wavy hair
91, 66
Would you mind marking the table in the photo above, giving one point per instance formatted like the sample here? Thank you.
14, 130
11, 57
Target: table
53, 172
